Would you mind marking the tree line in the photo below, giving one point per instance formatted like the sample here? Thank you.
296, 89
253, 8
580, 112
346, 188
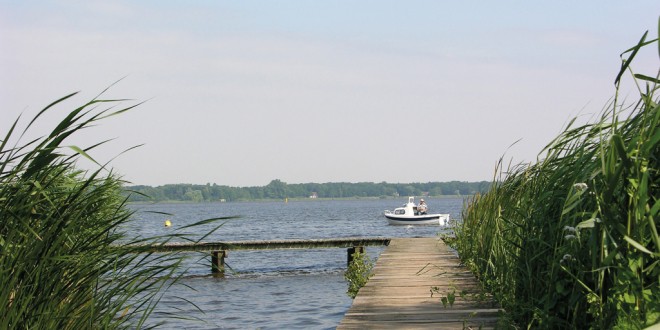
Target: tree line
277, 189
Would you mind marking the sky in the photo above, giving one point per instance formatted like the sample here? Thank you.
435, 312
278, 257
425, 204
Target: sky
240, 93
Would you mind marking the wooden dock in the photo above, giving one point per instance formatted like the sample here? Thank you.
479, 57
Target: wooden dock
219, 250
411, 278
340, 242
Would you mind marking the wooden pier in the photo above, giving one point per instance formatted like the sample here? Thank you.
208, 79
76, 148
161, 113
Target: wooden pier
219, 250
411, 279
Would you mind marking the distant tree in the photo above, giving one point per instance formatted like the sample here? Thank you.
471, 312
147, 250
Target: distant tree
278, 189
193, 195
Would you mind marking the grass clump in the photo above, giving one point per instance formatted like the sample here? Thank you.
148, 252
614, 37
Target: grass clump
65, 262
572, 240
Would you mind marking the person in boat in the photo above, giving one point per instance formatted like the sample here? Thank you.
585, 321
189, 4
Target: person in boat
422, 208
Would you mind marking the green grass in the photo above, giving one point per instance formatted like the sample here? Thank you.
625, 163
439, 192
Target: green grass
571, 241
65, 262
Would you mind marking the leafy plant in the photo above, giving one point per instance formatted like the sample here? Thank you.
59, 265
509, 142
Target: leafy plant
447, 299
358, 272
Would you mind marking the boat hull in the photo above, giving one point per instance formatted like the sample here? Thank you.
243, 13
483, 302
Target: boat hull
409, 214
428, 219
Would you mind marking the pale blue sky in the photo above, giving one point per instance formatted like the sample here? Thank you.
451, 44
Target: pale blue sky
243, 92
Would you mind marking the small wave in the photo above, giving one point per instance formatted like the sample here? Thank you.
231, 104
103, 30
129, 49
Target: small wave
257, 273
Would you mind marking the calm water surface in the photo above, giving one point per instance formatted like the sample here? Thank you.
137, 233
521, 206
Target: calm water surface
273, 289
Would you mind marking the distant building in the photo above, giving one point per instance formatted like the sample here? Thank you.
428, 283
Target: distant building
314, 195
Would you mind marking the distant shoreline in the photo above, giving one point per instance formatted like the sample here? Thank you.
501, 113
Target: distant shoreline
278, 190
296, 199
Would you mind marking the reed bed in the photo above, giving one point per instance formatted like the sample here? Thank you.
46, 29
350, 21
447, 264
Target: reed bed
571, 241
65, 262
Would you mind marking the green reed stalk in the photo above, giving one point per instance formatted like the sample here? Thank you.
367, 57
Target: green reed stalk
65, 262
572, 240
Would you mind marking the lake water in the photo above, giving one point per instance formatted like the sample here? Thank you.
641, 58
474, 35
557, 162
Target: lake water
273, 289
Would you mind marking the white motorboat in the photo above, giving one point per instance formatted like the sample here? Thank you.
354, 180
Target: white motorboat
409, 215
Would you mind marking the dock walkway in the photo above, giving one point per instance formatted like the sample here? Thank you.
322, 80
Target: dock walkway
411, 277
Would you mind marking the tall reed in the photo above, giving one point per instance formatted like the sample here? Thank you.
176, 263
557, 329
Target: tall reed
571, 241
65, 262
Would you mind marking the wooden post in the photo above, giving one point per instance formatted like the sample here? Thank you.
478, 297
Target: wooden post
218, 262
351, 251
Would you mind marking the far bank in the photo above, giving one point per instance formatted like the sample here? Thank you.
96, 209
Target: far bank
278, 190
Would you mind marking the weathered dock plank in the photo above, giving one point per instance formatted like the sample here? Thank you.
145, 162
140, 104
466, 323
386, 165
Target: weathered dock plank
400, 294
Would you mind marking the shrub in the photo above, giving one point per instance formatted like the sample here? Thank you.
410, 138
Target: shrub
358, 272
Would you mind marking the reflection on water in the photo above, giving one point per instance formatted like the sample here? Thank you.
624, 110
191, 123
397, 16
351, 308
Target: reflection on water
275, 288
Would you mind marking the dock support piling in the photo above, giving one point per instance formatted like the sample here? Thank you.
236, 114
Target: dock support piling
218, 262
351, 251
